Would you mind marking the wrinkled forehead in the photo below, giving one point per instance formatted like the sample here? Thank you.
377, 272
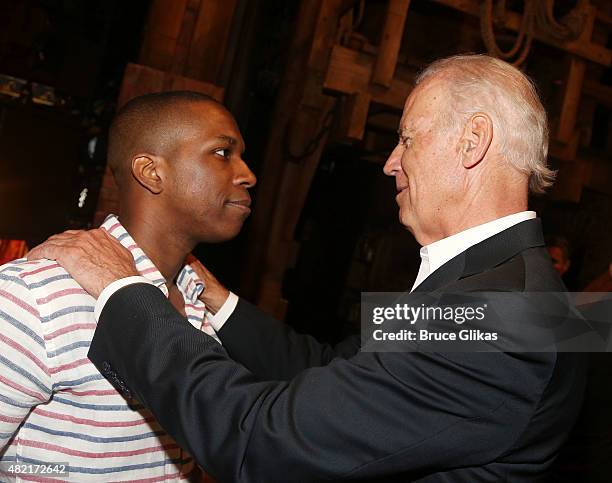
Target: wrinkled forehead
423, 104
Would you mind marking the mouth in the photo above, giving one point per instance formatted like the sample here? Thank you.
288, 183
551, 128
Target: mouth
400, 190
242, 205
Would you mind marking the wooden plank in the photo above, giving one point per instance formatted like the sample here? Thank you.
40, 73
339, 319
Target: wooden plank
569, 182
599, 176
571, 99
587, 50
183, 42
389, 48
211, 33
604, 18
138, 80
141, 79
180, 83
288, 98
161, 33
599, 92
355, 116
301, 112
586, 171
349, 73
565, 150
387, 122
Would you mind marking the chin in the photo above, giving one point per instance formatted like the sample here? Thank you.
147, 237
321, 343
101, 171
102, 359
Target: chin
228, 233
405, 221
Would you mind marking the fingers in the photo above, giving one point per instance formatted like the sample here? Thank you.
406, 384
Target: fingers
201, 271
39, 252
57, 244
48, 249
196, 264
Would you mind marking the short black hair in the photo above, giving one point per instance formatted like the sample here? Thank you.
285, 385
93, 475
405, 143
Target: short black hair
146, 123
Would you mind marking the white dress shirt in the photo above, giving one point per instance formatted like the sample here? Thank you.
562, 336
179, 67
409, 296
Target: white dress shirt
433, 256
436, 254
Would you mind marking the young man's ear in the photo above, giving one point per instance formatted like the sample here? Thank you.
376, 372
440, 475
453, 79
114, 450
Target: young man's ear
477, 137
147, 169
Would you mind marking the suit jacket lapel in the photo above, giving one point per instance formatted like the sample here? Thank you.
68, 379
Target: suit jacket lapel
450, 272
486, 255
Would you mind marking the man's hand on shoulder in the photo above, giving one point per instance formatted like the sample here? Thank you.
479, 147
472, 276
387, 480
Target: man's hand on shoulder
93, 258
214, 294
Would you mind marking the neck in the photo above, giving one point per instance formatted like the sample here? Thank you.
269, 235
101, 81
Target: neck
486, 195
483, 218
167, 253
465, 219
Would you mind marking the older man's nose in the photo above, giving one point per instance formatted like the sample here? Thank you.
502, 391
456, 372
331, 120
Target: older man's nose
393, 165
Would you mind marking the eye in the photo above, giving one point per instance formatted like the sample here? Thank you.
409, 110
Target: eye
405, 141
223, 152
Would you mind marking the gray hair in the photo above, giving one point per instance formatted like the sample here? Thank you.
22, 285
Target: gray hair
480, 83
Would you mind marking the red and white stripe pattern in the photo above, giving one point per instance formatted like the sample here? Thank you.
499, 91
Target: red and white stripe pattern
54, 405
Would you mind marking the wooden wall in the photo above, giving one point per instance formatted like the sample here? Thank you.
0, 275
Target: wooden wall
348, 68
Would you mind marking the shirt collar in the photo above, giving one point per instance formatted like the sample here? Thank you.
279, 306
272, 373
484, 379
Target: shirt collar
436, 254
188, 283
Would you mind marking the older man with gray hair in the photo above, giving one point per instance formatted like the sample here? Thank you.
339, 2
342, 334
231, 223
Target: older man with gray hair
273, 405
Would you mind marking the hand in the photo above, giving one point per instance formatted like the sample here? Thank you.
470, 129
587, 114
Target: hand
214, 294
93, 258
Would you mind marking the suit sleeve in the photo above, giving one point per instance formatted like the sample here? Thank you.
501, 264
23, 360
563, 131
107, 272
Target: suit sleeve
373, 414
271, 349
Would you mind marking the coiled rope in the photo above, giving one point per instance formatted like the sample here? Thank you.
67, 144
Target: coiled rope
525, 35
536, 12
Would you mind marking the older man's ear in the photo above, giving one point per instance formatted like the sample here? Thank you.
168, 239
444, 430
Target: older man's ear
476, 140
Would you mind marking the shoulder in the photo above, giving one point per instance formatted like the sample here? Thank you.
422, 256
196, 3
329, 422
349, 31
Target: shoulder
30, 274
540, 275
529, 271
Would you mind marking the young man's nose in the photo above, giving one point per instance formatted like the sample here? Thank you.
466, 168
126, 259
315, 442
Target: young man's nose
245, 176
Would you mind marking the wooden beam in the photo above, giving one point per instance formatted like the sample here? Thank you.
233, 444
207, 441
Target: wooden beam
588, 171
572, 91
209, 41
599, 92
141, 79
161, 32
569, 182
355, 116
301, 107
599, 175
565, 151
185, 36
386, 122
587, 50
312, 109
390, 42
349, 72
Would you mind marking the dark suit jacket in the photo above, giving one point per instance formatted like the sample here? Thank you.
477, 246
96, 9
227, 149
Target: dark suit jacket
298, 411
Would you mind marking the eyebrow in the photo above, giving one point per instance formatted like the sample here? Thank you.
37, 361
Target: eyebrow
228, 139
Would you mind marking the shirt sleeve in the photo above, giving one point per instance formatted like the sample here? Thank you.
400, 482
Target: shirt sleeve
112, 288
25, 379
224, 313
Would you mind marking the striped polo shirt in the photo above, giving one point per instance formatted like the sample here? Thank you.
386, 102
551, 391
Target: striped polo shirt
55, 407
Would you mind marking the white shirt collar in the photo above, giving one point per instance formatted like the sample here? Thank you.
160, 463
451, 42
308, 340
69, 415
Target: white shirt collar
436, 254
